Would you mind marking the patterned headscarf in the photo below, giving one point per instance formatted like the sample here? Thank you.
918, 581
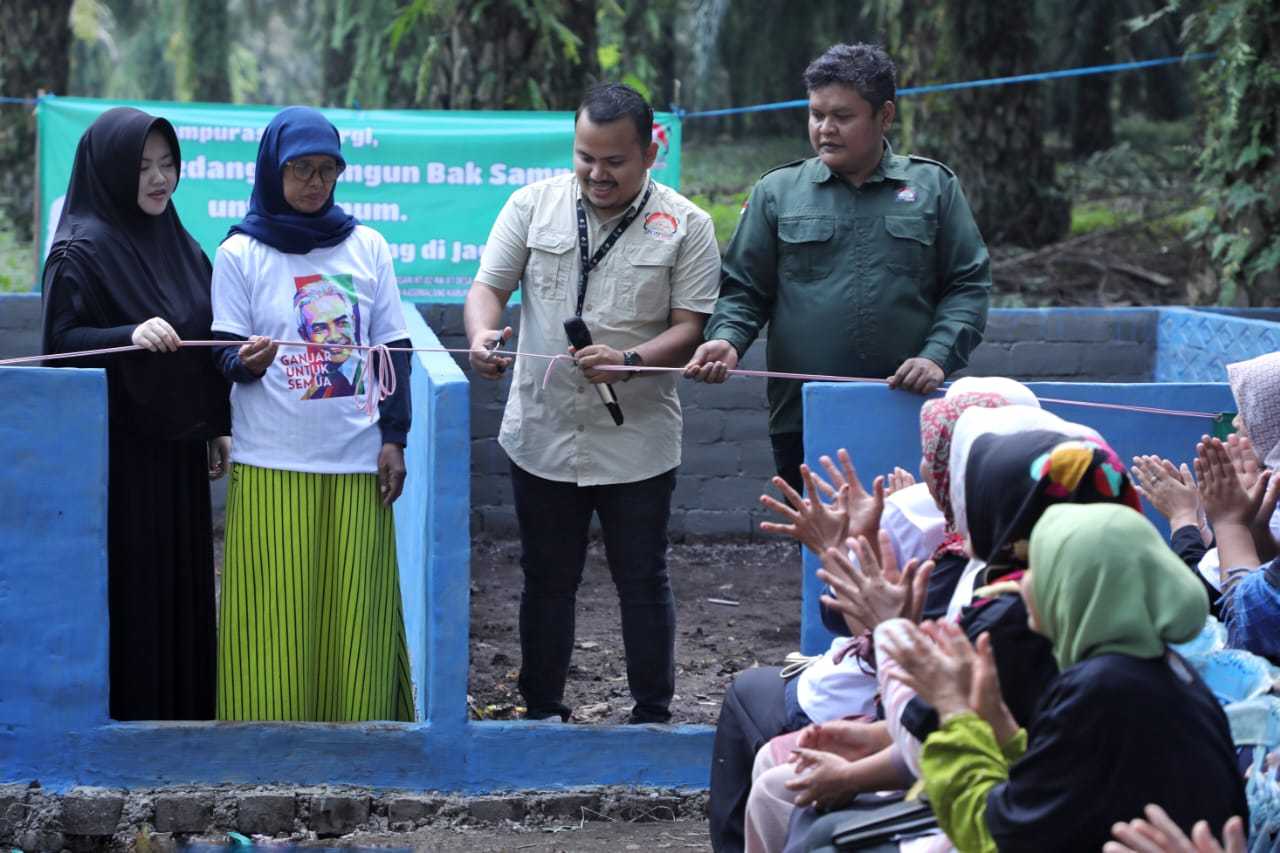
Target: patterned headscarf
1255, 384
1011, 389
1011, 480
937, 423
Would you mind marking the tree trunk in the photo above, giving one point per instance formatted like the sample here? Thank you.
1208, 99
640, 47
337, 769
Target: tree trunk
35, 44
992, 136
202, 67
1091, 128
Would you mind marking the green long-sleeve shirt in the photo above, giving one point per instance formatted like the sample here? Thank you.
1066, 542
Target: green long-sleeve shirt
853, 280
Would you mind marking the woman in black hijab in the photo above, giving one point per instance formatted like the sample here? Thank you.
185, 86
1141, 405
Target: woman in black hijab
122, 270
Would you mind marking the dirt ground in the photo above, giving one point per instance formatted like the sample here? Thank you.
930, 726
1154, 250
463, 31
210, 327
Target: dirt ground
715, 638
591, 837
714, 641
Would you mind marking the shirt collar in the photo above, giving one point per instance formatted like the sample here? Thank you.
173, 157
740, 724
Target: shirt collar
891, 167
595, 214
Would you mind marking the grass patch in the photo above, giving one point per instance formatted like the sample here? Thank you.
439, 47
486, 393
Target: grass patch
717, 169
717, 175
17, 266
1090, 216
725, 212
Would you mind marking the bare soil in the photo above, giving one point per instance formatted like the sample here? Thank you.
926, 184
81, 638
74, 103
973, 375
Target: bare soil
714, 641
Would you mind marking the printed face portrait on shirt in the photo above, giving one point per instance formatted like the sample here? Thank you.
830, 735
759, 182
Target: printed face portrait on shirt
844, 130
328, 313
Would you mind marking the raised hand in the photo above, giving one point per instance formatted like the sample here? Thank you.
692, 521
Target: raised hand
864, 508
984, 692
941, 674
872, 594
898, 480
1226, 499
815, 524
1171, 490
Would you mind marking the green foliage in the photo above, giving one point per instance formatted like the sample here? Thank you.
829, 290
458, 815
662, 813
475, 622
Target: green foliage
1095, 215
717, 176
17, 264
1238, 170
478, 54
725, 212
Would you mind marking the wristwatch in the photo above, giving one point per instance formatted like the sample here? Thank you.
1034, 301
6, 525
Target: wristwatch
631, 358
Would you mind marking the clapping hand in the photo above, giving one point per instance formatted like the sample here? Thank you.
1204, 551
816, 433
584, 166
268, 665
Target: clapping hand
869, 594
1227, 499
1172, 491
822, 780
849, 739
939, 664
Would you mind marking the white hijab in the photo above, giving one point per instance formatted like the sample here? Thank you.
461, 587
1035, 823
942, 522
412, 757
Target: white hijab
1255, 384
973, 424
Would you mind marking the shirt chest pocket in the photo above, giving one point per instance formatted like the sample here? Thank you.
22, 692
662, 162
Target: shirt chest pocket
550, 263
643, 280
805, 247
908, 245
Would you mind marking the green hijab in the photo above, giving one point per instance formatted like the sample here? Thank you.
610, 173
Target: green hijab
1103, 581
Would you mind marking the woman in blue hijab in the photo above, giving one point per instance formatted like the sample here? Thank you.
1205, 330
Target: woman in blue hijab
310, 622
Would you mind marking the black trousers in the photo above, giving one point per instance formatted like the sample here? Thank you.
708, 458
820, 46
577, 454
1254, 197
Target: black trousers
554, 520
754, 712
788, 454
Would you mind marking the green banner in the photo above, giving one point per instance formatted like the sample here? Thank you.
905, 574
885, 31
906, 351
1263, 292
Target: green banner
431, 182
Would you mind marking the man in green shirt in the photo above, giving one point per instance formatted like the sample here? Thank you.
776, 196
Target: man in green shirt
861, 261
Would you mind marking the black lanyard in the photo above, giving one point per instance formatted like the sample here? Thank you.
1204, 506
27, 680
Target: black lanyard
588, 264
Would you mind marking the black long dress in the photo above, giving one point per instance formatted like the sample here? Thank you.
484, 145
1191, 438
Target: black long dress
111, 267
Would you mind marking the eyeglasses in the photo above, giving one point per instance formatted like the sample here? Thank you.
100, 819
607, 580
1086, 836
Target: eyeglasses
304, 171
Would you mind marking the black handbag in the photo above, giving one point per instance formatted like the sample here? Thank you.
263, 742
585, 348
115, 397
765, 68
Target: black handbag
884, 825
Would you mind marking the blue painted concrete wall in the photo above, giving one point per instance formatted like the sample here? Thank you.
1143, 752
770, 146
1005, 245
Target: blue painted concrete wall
53, 632
1197, 346
53, 625
836, 415
432, 535
53, 563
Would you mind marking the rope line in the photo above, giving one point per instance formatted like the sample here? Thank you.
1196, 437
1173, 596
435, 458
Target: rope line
974, 84
381, 381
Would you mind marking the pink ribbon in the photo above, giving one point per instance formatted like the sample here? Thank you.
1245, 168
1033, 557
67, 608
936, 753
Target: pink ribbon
381, 378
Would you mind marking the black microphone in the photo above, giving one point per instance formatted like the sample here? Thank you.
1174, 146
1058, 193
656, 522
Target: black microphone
580, 338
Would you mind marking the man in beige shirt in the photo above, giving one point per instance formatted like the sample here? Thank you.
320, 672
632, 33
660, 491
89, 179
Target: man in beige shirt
653, 273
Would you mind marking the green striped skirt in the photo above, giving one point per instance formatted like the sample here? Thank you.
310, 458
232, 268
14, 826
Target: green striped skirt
310, 625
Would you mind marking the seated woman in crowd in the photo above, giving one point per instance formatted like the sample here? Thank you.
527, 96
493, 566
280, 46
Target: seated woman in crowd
1234, 501
1016, 462
1172, 490
840, 684
122, 270
1110, 734
311, 624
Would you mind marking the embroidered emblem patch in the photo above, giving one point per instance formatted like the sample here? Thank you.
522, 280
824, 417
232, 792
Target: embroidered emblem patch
906, 194
662, 226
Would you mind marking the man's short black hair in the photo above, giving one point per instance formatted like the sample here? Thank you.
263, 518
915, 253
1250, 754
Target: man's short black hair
866, 68
609, 102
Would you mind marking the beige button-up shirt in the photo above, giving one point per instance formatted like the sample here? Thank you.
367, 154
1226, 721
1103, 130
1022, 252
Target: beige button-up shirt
667, 258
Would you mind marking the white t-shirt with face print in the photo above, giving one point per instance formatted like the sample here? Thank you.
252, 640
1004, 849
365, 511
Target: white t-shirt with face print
304, 414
